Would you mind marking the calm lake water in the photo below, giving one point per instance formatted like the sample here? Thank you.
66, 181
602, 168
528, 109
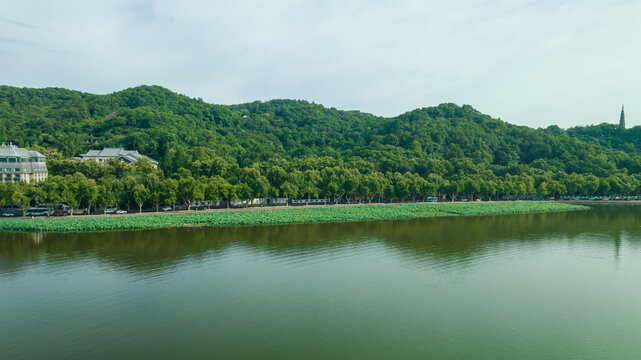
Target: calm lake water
553, 286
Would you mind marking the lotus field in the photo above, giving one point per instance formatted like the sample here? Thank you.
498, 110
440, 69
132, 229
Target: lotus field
280, 216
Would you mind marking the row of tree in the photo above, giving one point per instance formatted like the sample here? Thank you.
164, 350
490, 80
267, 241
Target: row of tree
142, 186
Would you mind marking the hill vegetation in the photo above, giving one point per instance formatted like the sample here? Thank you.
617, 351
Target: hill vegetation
300, 149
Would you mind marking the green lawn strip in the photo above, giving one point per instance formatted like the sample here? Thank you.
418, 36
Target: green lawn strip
281, 216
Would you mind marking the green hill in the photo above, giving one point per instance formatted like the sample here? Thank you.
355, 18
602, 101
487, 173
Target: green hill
179, 131
304, 149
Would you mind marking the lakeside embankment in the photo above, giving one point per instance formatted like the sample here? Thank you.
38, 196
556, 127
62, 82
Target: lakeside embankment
281, 216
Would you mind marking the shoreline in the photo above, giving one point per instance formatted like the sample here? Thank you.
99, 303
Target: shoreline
281, 215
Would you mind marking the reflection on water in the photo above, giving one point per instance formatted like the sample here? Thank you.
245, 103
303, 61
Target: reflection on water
453, 239
549, 285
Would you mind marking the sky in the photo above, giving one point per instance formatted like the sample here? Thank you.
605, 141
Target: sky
534, 63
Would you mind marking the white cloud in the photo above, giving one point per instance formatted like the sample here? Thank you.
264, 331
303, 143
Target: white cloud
528, 62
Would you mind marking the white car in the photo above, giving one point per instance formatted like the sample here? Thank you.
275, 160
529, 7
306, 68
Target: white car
121, 212
110, 211
167, 208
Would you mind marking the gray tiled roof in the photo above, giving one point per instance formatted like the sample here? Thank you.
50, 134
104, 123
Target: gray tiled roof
14, 151
129, 157
92, 153
118, 153
134, 156
111, 152
106, 152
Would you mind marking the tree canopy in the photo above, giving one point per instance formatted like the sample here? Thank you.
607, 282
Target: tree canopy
298, 149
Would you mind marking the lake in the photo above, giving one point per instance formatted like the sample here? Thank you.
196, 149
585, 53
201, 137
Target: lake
547, 285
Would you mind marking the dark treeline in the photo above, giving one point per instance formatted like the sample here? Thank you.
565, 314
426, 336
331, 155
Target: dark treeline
88, 184
297, 149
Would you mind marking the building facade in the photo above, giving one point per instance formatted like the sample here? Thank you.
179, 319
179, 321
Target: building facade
18, 164
106, 154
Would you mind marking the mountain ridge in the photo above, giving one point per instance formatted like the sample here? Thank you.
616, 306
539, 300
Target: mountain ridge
179, 131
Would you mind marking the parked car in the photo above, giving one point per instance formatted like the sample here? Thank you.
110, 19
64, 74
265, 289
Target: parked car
38, 212
110, 211
8, 214
167, 208
60, 213
121, 212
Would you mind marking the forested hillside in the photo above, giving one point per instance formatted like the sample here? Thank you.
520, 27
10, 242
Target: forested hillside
179, 131
610, 136
451, 149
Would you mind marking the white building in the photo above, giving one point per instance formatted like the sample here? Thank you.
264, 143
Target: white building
18, 164
104, 155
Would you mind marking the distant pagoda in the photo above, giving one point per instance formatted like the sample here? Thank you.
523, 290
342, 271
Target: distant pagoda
622, 118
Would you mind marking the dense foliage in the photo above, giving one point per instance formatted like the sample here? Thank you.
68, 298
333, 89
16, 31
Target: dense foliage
610, 136
301, 215
297, 149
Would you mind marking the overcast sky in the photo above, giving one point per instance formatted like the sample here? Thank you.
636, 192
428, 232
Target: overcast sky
532, 63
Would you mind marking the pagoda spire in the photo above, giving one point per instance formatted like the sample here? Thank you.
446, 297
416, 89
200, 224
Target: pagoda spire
622, 118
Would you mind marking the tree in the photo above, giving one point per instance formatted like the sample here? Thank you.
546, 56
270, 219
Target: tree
140, 194
50, 192
604, 187
228, 192
143, 167
244, 192
215, 189
453, 188
276, 175
415, 183
542, 190
258, 184
350, 183
289, 191
488, 188
69, 193
169, 192
370, 186
107, 194
309, 181
154, 185
21, 194
89, 192
556, 188
471, 186
189, 190
5, 192
431, 185
126, 193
